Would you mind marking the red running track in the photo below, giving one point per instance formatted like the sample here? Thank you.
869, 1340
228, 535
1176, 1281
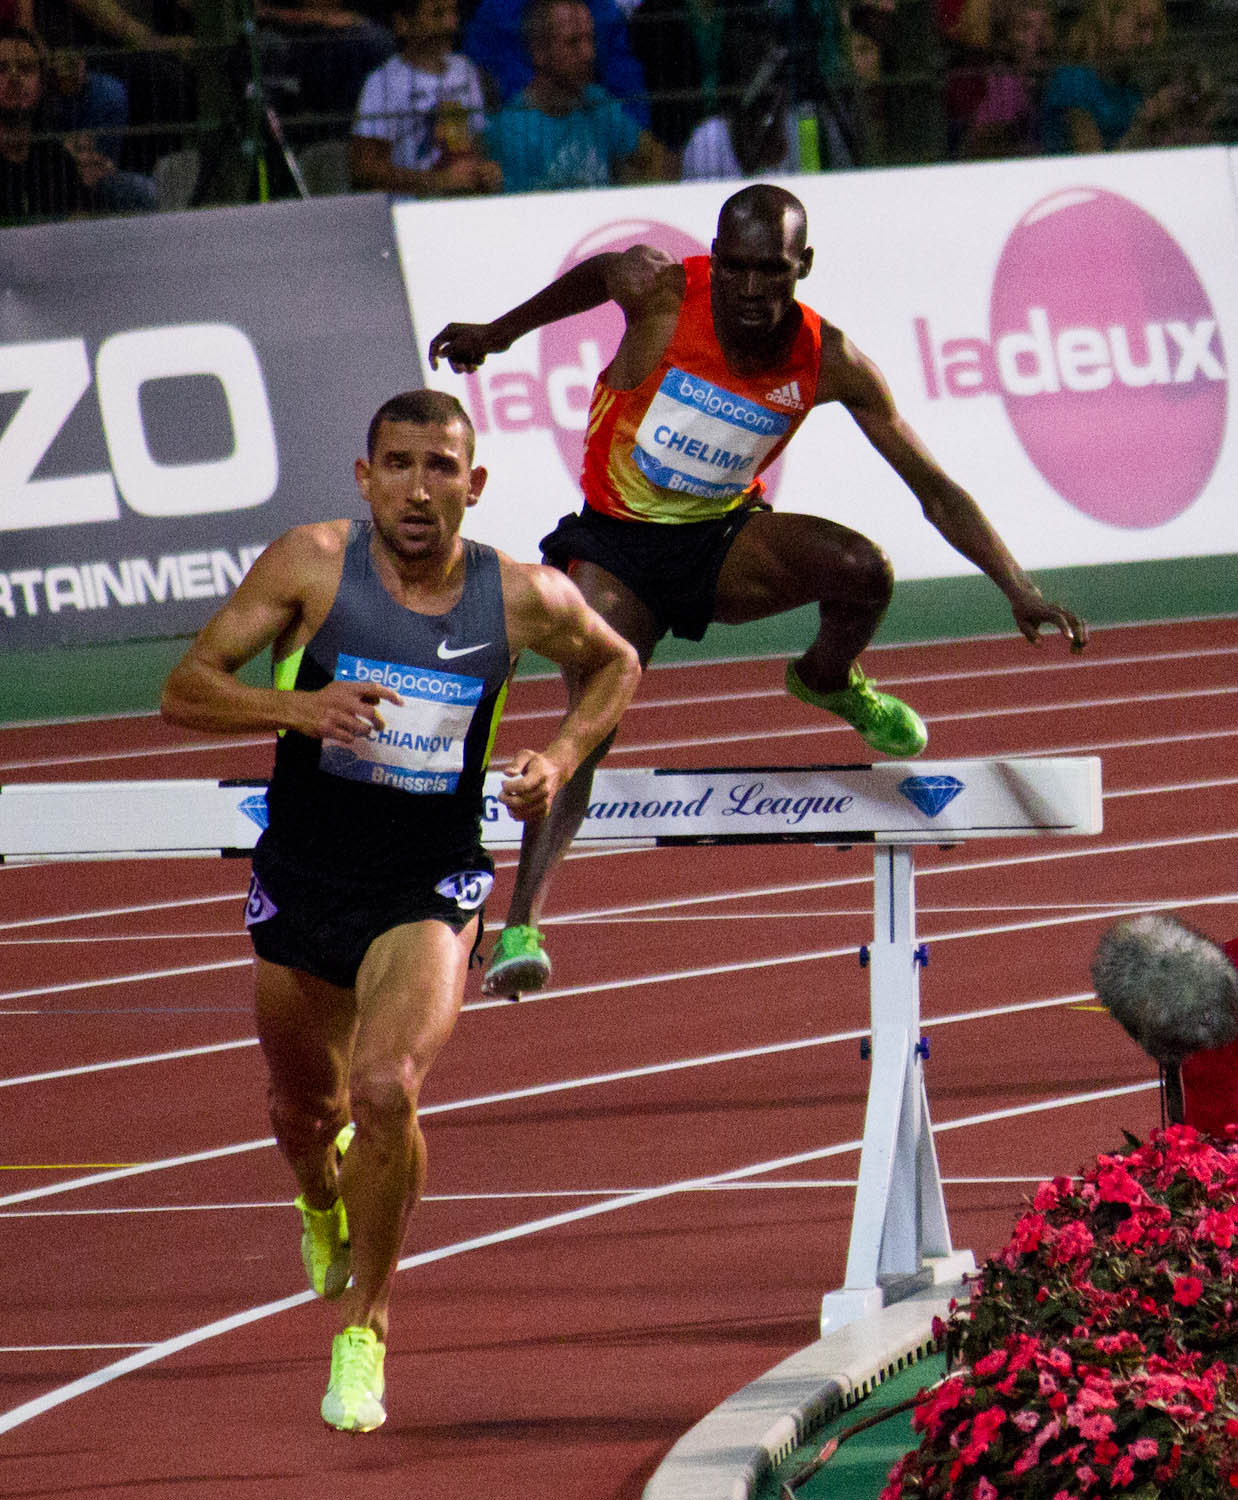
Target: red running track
567, 1311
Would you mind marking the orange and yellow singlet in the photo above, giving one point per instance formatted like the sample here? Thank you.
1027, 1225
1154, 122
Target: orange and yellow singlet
691, 440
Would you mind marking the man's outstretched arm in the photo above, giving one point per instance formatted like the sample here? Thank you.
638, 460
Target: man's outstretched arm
627, 277
857, 383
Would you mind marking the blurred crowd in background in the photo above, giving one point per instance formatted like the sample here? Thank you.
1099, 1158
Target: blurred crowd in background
157, 105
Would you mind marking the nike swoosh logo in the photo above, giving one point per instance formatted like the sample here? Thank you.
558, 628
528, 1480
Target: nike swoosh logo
446, 652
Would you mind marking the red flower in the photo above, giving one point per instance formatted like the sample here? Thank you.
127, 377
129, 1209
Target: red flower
1188, 1290
1072, 1242
1116, 1185
1028, 1233
1123, 1472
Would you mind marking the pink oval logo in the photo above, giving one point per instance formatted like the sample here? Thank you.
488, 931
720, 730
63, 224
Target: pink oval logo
1109, 358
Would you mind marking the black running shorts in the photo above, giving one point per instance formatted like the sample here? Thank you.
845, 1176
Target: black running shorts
323, 926
672, 570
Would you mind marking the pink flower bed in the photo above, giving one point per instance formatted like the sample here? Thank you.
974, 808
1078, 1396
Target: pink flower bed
1097, 1355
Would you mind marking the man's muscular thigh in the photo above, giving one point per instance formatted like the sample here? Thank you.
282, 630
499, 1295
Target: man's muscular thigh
783, 560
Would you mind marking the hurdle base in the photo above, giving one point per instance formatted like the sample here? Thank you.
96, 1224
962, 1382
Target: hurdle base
850, 1304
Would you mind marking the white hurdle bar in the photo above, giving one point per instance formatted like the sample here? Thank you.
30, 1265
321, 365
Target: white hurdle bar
900, 1238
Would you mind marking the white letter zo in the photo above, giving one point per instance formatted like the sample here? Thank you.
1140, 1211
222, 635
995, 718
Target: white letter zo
56, 375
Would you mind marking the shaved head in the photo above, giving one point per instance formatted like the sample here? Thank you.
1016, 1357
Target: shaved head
770, 206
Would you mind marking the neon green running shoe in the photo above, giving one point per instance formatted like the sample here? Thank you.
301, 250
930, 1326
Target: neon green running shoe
519, 964
884, 722
324, 1237
354, 1399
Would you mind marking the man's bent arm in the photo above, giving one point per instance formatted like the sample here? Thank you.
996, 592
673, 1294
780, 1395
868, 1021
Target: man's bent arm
604, 665
548, 615
947, 505
203, 690
627, 277
465, 345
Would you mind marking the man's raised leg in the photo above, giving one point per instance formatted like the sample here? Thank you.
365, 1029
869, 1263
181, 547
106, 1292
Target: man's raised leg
782, 561
519, 964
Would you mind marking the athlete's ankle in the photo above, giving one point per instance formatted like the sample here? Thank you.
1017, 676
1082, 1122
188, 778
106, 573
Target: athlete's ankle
817, 679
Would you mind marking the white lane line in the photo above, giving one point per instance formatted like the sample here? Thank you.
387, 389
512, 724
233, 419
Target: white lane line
677, 902
151, 1208
129, 1062
824, 914
1014, 1111
556, 1086
959, 867
1090, 851
893, 679
706, 742
138, 978
115, 1174
143, 754
154, 1353
722, 699
1153, 903
760, 1050
1072, 664
65, 1349
122, 937
741, 966
795, 1184
124, 911
1179, 786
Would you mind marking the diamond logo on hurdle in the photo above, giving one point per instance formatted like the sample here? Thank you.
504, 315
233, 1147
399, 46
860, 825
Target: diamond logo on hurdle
931, 793
255, 809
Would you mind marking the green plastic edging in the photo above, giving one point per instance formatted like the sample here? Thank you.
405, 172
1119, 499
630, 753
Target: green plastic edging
859, 1467
126, 677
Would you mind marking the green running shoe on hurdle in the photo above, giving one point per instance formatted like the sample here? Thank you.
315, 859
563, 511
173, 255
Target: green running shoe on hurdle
519, 964
324, 1237
354, 1399
884, 722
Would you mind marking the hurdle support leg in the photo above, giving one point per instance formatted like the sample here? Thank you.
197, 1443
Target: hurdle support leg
900, 1238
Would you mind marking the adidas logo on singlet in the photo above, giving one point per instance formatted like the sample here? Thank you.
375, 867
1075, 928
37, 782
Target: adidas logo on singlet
787, 395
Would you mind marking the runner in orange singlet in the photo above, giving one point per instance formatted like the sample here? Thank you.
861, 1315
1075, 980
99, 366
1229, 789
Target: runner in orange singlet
717, 367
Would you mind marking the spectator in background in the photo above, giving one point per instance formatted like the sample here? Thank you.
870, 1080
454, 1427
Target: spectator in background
1100, 101
857, 99
319, 53
563, 130
114, 66
679, 44
756, 131
496, 40
761, 130
39, 177
421, 115
1006, 121
966, 29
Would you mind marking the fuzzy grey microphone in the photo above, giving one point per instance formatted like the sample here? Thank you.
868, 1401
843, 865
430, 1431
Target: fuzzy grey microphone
1170, 988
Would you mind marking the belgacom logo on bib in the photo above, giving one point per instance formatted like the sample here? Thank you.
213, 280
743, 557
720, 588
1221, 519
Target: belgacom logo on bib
1105, 351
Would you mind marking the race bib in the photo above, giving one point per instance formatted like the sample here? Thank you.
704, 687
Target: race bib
700, 439
420, 747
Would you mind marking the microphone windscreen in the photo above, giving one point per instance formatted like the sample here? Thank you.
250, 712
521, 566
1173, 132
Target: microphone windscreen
1171, 989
